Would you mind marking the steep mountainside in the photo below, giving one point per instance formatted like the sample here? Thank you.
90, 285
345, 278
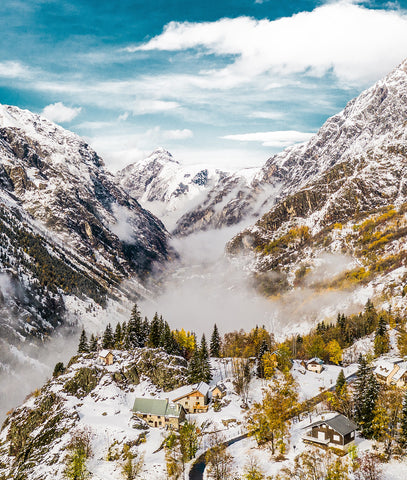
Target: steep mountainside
66, 228
365, 128
344, 184
170, 190
94, 401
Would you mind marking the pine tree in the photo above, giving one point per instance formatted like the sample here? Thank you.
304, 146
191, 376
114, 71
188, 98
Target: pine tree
205, 365
194, 370
156, 328
83, 346
382, 339
340, 382
215, 342
93, 343
366, 395
108, 340
118, 340
134, 332
262, 350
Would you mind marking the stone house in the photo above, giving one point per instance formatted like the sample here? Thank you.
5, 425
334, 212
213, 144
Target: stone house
338, 432
194, 398
106, 357
159, 413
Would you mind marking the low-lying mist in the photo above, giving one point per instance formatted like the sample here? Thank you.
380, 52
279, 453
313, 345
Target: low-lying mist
200, 289
205, 288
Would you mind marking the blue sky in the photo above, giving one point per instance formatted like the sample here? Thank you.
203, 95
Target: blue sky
221, 82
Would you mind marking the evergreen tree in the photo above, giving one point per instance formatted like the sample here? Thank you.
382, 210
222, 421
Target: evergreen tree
145, 330
205, 365
382, 339
134, 332
156, 328
118, 340
194, 370
83, 346
340, 382
215, 342
366, 394
93, 343
108, 339
262, 350
370, 316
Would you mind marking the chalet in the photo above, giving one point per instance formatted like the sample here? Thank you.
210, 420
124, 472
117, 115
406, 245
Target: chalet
399, 379
159, 413
313, 365
106, 357
194, 398
338, 432
385, 371
218, 391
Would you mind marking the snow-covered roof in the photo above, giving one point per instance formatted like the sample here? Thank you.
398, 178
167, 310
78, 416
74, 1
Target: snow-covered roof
104, 353
397, 376
315, 360
384, 368
187, 390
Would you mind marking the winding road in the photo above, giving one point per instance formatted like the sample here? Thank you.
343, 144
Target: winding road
198, 468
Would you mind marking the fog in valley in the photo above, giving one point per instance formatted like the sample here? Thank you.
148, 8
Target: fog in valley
200, 289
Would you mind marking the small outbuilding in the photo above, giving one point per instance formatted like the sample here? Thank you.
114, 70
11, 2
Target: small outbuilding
313, 365
218, 391
159, 413
337, 431
106, 357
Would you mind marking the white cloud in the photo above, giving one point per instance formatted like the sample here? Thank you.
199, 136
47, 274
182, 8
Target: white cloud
123, 117
278, 139
177, 134
13, 70
58, 112
142, 107
357, 43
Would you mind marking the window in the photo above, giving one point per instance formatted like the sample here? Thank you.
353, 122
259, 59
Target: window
197, 397
352, 434
337, 438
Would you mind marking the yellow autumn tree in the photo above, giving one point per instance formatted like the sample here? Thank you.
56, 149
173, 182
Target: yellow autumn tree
335, 352
269, 421
269, 364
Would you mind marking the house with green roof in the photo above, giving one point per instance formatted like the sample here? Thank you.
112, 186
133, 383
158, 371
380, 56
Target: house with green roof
159, 413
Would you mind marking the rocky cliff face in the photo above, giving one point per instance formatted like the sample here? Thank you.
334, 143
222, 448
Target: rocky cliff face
187, 198
352, 172
66, 228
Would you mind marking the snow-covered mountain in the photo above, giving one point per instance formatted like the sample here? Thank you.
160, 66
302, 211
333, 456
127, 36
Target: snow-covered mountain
344, 192
171, 190
367, 126
69, 233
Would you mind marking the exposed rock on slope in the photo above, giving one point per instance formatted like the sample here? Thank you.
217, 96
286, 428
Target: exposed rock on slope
35, 436
370, 129
353, 167
185, 197
66, 228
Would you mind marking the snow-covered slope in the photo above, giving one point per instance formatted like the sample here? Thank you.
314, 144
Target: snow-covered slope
370, 129
170, 190
69, 234
89, 397
339, 193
